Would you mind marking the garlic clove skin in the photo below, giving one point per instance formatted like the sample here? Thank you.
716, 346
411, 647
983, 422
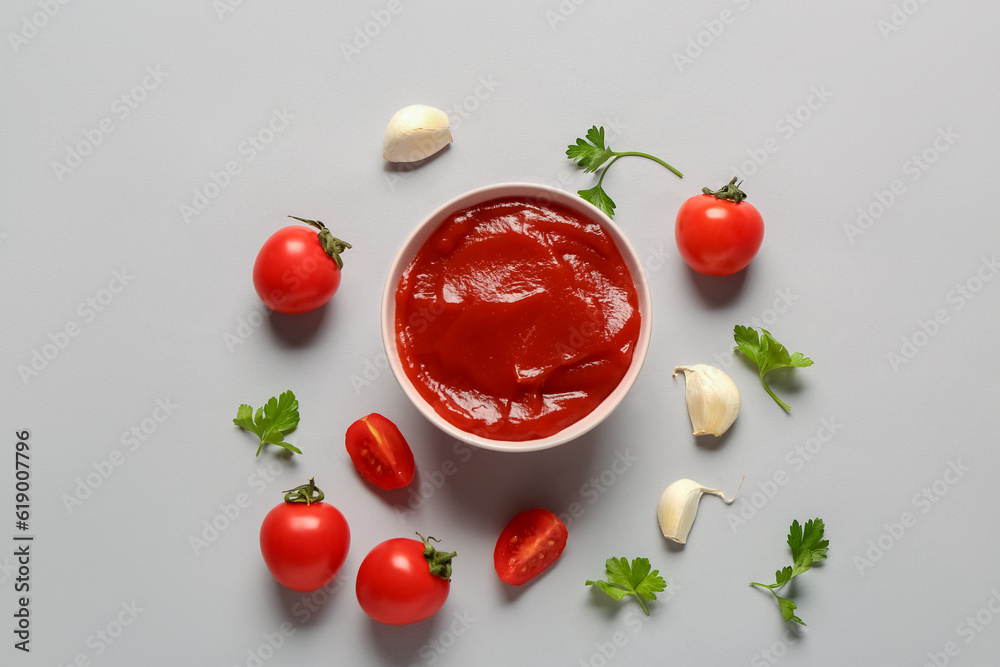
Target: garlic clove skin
414, 133
713, 400
678, 507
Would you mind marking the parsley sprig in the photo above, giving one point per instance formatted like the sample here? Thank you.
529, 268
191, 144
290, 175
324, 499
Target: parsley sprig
768, 354
591, 154
271, 423
808, 546
636, 580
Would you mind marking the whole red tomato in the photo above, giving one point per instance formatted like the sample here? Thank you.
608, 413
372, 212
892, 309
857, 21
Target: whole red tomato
304, 541
298, 268
380, 452
529, 544
717, 232
403, 581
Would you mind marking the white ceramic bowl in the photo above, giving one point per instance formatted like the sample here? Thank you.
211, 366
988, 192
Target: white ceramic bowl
528, 191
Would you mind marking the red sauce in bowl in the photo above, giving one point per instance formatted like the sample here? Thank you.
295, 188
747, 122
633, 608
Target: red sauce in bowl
516, 319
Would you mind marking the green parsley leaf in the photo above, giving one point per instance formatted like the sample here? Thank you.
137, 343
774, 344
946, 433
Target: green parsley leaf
808, 546
768, 354
278, 417
636, 580
591, 153
787, 608
600, 199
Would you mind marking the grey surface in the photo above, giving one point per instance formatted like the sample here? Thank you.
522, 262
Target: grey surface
848, 302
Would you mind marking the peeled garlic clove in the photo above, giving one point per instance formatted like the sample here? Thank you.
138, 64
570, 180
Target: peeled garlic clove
678, 506
414, 133
713, 400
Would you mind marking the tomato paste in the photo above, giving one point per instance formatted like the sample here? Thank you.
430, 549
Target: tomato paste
516, 319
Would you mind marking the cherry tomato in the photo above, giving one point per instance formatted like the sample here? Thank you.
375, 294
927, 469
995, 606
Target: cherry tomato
298, 268
403, 581
717, 232
304, 543
529, 544
380, 452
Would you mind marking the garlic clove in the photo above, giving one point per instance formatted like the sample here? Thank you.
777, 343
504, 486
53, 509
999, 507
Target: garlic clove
713, 400
414, 133
678, 506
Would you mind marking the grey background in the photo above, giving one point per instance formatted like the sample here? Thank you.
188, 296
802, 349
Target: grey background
520, 84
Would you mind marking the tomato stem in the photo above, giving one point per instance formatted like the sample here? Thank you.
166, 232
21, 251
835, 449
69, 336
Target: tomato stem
730, 192
439, 563
307, 493
331, 244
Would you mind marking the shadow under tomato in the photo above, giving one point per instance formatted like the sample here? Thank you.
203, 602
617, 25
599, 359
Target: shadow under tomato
307, 609
717, 291
402, 500
398, 644
513, 593
297, 330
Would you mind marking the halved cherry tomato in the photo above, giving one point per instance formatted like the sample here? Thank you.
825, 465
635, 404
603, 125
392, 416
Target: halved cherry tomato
529, 544
379, 452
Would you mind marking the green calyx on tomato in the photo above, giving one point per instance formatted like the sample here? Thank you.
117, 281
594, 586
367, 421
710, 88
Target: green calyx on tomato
306, 494
731, 191
331, 244
439, 563
717, 232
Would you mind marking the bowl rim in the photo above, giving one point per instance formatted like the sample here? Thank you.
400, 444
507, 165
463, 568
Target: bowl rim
423, 230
